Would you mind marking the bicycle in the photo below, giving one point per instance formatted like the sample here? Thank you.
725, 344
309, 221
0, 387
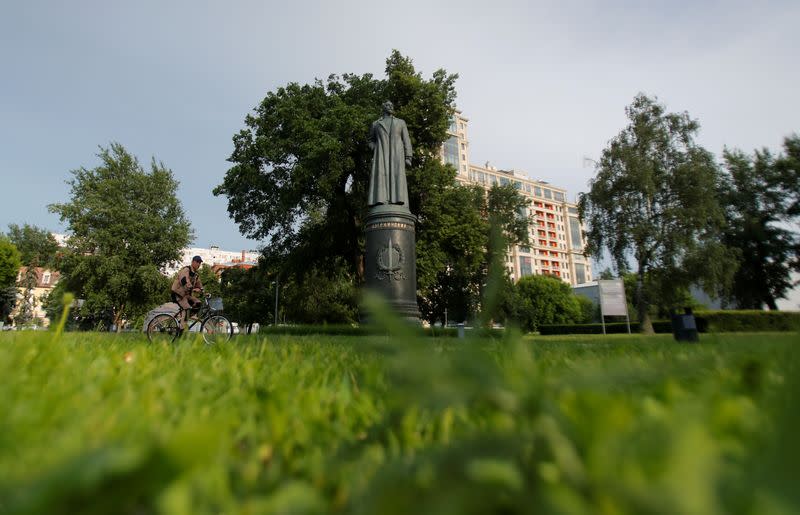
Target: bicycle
215, 327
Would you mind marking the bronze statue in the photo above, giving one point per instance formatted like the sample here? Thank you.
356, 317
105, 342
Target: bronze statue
388, 138
390, 263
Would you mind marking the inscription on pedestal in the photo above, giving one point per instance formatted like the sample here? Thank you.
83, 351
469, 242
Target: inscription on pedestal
389, 225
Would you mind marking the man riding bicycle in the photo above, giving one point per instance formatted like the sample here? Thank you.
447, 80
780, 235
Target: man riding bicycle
187, 282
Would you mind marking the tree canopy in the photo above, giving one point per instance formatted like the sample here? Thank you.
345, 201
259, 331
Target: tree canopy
301, 166
653, 199
125, 224
9, 263
301, 170
248, 295
760, 193
9, 268
37, 246
546, 300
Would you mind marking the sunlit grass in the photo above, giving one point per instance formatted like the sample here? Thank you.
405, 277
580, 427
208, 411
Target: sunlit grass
396, 424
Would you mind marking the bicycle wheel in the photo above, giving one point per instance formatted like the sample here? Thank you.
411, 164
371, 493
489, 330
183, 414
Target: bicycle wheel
163, 328
217, 329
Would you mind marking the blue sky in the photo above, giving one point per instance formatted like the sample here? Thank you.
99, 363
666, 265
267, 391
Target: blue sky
543, 84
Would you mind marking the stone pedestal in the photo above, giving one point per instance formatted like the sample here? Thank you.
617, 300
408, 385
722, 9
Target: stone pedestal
391, 260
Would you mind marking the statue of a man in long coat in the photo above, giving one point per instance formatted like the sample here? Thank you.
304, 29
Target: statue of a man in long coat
391, 146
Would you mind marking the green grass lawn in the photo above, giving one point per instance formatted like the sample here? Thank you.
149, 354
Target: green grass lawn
98, 423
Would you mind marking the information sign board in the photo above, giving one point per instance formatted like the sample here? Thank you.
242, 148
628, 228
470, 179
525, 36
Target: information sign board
612, 298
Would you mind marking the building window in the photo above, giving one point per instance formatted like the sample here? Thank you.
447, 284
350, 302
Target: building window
452, 127
580, 274
558, 196
537, 191
548, 194
572, 210
575, 233
451, 151
525, 250
46, 278
525, 266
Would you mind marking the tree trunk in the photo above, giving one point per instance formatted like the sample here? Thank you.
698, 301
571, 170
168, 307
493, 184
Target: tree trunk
645, 325
771, 304
358, 254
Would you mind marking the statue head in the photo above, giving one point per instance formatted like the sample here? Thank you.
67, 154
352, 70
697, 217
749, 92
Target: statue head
388, 107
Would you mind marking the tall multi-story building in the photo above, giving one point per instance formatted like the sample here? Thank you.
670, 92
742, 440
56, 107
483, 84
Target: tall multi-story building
556, 244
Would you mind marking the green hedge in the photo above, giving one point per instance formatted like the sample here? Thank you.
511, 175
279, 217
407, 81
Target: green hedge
751, 320
707, 321
367, 330
659, 326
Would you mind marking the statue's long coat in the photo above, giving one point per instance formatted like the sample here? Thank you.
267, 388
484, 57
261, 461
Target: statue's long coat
388, 137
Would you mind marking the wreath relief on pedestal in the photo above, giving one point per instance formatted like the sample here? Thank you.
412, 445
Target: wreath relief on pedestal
390, 261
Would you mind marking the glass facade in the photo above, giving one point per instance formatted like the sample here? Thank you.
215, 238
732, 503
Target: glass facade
580, 273
575, 233
451, 151
525, 266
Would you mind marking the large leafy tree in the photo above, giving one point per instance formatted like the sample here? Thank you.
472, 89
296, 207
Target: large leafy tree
507, 222
468, 228
451, 247
300, 173
301, 166
34, 244
125, 224
788, 166
653, 200
9, 263
321, 296
9, 268
760, 193
247, 295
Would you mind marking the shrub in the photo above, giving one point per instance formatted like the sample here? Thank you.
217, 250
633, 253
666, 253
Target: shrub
368, 330
750, 320
707, 321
